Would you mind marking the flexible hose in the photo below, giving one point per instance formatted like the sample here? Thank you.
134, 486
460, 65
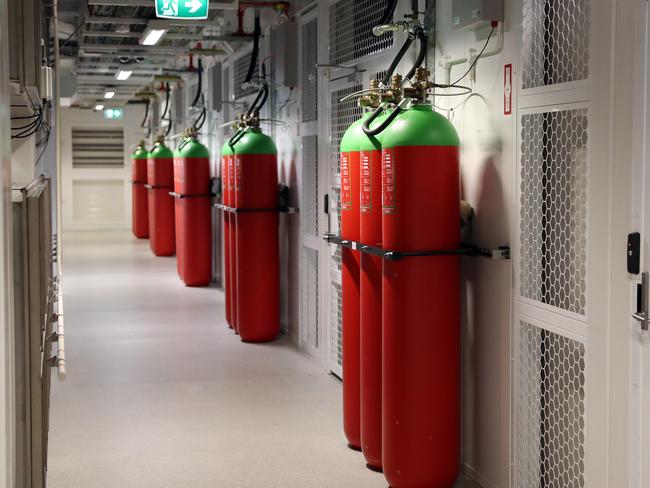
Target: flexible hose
236, 137
146, 113
422, 37
396, 61
388, 13
256, 49
262, 94
167, 97
381, 127
199, 87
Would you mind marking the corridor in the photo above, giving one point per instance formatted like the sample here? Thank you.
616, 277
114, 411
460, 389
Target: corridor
160, 393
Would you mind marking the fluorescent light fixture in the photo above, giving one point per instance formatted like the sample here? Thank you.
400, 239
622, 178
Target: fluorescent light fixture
99, 107
124, 75
151, 37
109, 94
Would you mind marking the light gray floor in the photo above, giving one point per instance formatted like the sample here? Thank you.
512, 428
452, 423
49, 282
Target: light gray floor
161, 394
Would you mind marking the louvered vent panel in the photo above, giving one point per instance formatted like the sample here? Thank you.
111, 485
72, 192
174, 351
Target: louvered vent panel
553, 214
550, 410
98, 148
241, 70
351, 23
309, 75
310, 198
309, 297
555, 42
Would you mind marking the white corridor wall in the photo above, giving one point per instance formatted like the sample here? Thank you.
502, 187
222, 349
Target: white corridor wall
98, 198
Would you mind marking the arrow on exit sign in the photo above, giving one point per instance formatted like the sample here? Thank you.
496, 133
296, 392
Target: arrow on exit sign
182, 9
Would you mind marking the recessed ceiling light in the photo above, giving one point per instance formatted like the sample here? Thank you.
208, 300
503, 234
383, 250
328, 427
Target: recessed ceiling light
151, 37
123, 75
99, 107
109, 94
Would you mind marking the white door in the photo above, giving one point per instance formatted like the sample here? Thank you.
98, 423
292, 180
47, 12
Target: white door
640, 339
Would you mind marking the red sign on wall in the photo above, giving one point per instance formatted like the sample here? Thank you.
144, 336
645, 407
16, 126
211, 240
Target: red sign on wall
507, 89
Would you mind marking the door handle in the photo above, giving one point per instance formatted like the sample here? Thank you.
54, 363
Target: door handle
642, 315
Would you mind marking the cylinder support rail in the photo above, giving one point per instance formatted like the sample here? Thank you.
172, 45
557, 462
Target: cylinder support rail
226, 208
463, 250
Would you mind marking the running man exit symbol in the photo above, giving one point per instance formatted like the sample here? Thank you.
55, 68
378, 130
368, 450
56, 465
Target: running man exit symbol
182, 9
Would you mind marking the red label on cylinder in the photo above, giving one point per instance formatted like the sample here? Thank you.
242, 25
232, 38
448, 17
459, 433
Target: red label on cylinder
346, 184
388, 182
366, 183
237, 173
224, 173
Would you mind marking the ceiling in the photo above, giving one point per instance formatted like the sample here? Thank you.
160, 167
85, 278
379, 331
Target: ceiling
99, 37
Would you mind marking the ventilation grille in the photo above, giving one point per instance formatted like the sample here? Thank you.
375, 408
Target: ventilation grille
553, 226
309, 71
555, 42
98, 148
310, 199
550, 404
241, 70
342, 116
309, 297
351, 23
336, 327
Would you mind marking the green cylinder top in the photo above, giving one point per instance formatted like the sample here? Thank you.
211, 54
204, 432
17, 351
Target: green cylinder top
371, 143
161, 151
420, 126
352, 137
255, 142
226, 150
192, 148
140, 153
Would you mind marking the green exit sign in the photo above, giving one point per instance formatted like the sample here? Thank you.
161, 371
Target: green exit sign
113, 113
182, 9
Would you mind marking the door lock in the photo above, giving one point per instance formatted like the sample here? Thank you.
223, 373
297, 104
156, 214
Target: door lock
642, 314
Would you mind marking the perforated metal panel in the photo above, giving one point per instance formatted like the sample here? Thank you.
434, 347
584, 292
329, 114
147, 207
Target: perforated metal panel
553, 214
309, 297
241, 70
336, 328
310, 198
343, 114
550, 410
555, 42
351, 23
309, 74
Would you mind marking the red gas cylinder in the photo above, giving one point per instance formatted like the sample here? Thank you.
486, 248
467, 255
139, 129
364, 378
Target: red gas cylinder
226, 161
257, 235
233, 244
370, 299
195, 213
160, 176
350, 277
140, 210
177, 212
421, 301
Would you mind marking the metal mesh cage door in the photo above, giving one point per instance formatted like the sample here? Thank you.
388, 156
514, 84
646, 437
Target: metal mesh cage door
556, 346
